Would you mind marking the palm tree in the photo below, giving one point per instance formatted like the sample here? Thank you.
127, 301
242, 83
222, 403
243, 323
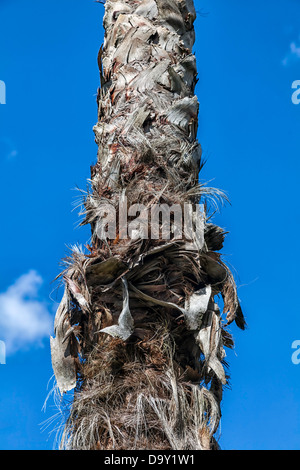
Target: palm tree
139, 334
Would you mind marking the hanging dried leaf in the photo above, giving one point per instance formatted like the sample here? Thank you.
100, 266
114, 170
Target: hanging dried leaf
214, 237
210, 341
196, 306
63, 362
75, 290
124, 329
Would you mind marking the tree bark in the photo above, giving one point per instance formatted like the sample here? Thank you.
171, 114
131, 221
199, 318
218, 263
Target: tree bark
138, 332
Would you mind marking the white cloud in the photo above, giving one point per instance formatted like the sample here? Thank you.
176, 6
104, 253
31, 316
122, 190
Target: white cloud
24, 319
293, 55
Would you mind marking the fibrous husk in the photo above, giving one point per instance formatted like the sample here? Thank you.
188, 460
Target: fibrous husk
131, 401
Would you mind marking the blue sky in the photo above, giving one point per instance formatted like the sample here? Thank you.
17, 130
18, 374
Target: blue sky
248, 56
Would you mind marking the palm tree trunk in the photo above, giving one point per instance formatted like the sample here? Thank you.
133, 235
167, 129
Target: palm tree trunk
138, 333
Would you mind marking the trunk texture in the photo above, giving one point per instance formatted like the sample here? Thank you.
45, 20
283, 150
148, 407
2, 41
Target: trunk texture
138, 333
